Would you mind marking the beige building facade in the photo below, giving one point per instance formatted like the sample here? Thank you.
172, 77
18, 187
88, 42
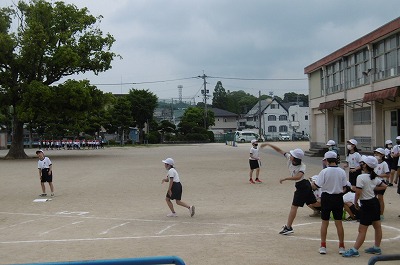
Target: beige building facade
354, 92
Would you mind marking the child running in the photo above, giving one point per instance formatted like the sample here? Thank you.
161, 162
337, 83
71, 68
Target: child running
174, 191
367, 183
303, 194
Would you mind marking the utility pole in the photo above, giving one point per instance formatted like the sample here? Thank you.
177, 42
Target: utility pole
205, 92
259, 114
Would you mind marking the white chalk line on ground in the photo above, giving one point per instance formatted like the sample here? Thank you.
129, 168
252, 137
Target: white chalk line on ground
58, 228
25, 222
221, 231
112, 228
165, 229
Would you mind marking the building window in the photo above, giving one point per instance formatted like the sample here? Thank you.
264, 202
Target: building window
224, 120
362, 116
306, 117
271, 118
386, 56
283, 117
271, 128
283, 128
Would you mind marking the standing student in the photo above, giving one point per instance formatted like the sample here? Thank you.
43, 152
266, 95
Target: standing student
303, 194
367, 183
395, 153
353, 159
331, 144
45, 173
389, 159
332, 182
382, 172
254, 161
174, 191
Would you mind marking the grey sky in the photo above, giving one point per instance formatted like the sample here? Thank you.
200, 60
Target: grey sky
261, 39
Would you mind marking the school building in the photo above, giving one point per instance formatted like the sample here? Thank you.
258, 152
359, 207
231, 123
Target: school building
354, 91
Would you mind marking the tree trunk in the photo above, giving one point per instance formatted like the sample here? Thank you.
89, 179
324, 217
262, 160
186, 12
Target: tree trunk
17, 143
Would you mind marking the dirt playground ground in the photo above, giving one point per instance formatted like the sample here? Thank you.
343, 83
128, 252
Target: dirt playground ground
109, 204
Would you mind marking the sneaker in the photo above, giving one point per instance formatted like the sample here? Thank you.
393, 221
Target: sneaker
286, 230
315, 214
390, 184
258, 181
172, 215
43, 195
322, 250
351, 253
52, 195
342, 250
191, 210
373, 250
252, 181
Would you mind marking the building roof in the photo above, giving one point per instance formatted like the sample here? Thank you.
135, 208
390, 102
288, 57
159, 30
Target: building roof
371, 37
223, 113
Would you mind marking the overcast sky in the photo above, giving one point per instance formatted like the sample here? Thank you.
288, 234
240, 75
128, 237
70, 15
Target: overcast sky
162, 40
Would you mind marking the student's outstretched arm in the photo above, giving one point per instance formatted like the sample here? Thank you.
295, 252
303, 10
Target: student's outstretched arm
273, 147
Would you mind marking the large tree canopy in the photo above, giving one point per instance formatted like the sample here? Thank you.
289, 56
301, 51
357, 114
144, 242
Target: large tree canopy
41, 43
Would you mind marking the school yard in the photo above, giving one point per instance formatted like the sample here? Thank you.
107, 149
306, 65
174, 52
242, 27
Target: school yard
110, 204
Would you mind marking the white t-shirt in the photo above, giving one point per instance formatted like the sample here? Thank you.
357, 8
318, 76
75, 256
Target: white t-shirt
349, 197
382, 168
353, 160
367, 185
332, 180
255, 153
45, 163
172, 173
295, 169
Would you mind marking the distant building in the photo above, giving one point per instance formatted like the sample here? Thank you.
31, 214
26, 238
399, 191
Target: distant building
225, 121
277, 117
354, 91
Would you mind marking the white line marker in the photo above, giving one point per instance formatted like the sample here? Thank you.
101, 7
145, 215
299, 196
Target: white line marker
58, 228
165, 229
108, 230
25, 222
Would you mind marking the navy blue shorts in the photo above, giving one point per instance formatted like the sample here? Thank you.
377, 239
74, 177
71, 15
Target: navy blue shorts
176, 191
46, 177
254, 164
370, 211
331, 203
303, 194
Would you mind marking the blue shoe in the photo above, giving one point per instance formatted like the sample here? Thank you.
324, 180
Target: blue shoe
351, 253
373, 250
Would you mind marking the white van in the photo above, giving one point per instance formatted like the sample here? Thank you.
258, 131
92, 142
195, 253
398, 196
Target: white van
245, 136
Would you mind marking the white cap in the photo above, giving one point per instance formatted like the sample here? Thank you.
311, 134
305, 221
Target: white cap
253, 141
352, 141
371, 161
330, 154
297, 153
398, 138
330, 143
168, 161
380, 150
39, 151
388, 142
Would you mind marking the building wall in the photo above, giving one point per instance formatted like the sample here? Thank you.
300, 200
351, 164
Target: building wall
367, 65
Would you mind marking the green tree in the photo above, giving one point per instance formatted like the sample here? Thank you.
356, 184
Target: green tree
192, 121
240, 102
143, 103
220, 97
121, 117
294, 97
50, 43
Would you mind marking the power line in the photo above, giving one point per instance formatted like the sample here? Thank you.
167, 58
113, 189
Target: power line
258, 79
145, 82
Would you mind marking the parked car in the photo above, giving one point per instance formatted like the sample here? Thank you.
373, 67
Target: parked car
283, 136
245, 136
298, 136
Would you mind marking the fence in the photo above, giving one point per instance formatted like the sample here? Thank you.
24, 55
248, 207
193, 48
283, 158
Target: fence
374, 259
130, 261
